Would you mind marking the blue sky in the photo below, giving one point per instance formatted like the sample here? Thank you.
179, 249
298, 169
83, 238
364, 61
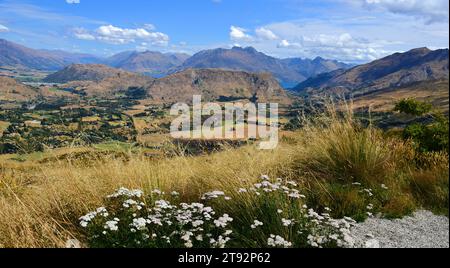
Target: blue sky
346, 30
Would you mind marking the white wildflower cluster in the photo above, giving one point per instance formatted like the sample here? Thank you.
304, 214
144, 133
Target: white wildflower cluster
162, 225
86, 219
223, 221
112, 225
124, 192
266, 186
277, 241
158, 192
167, 223
256, 224
221, 241
325, 230
139, 224
368, 192
287, 223
319, 230
130, 203
196, 221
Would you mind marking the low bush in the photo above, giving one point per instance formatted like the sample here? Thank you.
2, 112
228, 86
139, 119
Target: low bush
413, 107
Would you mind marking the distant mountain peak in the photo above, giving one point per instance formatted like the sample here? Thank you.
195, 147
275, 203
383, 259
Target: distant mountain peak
419, 49
319, 59
150, 62
157, 64
288, 71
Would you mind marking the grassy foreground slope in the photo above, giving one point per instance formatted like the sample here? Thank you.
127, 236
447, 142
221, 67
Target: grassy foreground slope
337, 164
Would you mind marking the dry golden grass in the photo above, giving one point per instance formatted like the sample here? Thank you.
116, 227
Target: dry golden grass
382, 101
3, 127
44, 213
40, 203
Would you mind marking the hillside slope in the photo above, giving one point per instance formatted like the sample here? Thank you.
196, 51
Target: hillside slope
11, 90
109, 87
15, 55
216, 84
152, 63
396, 70
84, 72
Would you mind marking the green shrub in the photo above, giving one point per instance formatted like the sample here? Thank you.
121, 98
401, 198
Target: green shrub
413, 107
429, 138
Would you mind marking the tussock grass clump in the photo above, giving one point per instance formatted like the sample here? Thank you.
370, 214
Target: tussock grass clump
336, 147
430, 187
350, 168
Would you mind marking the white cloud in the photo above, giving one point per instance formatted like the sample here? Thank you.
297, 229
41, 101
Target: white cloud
286, 44
3, 29
83, 34
72, 1
310, 40
142, 47
350, 40
116, 35
345, 46
239, 34
265, 34
430, 10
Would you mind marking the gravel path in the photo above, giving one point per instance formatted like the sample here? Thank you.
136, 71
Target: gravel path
422, 230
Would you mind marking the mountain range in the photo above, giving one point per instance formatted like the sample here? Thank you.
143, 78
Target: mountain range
226, 74
289, 72
394, 71
90, 80
15, 55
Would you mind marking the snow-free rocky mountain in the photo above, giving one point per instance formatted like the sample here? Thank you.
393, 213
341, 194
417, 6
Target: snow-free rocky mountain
397, 70
155, 64
94, 80
15, 55
289, 72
